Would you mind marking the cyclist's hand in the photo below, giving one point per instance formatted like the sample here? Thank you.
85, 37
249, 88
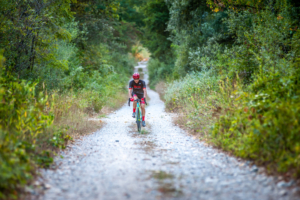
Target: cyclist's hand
131, 99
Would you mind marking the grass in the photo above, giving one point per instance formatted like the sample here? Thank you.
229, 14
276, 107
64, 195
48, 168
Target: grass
166, 184
115, 102
74, 116
144, 131
71, 112
196, 123
197, 102
74, 113
102, 116
161, 175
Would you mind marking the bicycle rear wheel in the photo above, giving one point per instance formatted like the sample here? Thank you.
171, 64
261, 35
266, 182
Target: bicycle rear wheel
138, 120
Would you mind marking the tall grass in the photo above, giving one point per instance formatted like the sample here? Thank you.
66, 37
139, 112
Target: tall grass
198, 99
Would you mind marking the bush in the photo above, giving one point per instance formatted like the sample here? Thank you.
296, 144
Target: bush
159, 71
28, 135
23, 119
78, 62
198, 97
264, 123
250, 94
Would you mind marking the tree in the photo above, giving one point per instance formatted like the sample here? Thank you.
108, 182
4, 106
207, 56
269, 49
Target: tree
28, 30
156, 36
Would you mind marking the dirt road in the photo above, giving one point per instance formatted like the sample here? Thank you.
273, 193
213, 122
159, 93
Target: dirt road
117, 163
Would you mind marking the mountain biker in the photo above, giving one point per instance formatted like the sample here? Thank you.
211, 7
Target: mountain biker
137, 90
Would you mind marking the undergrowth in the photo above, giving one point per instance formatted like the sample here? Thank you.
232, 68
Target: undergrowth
61, 68
247, 100
35, 125
197, 100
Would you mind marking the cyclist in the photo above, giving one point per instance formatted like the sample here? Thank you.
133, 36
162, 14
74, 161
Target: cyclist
137, 89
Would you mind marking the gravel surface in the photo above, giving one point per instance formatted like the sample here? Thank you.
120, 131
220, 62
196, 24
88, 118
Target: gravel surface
164, 162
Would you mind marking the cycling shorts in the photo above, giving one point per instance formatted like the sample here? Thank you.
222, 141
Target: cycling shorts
140, 96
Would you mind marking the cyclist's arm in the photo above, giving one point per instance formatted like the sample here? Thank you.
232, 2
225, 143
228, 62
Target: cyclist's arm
130, 92
130, 89
145, 92
144, 89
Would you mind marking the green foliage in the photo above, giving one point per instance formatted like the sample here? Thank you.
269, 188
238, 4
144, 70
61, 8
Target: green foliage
44, 159
248, 88
129, 12
264, 125
159, 71
78, 50
197, 95
59, 139
23, 119
195, 83
254, 51
197, 35
151, 18
155, 37
26, 37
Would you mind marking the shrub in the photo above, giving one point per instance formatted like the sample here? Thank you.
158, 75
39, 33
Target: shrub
23, 118
252, 88
159, 70
197, 96
264, 124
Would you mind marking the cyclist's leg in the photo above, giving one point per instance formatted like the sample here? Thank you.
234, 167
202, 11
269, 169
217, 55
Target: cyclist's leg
143, 107
143, 113
134, 105
143, 110
135, 97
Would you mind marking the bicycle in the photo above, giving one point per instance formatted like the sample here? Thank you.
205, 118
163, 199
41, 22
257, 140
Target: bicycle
138, 113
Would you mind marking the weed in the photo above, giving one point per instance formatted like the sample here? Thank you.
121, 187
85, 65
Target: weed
102, 116
166, 184
161, 175
145, 131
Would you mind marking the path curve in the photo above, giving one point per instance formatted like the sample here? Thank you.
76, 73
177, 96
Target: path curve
116, 163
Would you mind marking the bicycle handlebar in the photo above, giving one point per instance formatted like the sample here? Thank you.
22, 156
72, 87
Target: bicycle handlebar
137, 100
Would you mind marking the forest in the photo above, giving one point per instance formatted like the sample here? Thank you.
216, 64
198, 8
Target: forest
229, 68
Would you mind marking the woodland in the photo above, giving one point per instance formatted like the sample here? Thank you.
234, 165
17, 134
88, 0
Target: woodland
233, 64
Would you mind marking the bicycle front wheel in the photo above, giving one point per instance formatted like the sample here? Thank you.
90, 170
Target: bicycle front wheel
138, 120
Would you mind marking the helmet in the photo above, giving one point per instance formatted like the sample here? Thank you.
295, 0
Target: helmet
136, 76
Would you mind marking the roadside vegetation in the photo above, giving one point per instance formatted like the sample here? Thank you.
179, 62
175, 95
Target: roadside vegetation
61, 62
230, 68
232, 74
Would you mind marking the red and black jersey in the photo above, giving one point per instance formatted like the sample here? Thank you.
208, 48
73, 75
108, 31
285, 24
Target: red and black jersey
138, 88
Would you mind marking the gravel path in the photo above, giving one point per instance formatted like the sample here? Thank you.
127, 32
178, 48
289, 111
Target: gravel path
117, 163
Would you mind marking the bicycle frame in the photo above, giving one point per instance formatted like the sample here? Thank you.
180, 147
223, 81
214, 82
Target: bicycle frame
138, 112
139, 109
